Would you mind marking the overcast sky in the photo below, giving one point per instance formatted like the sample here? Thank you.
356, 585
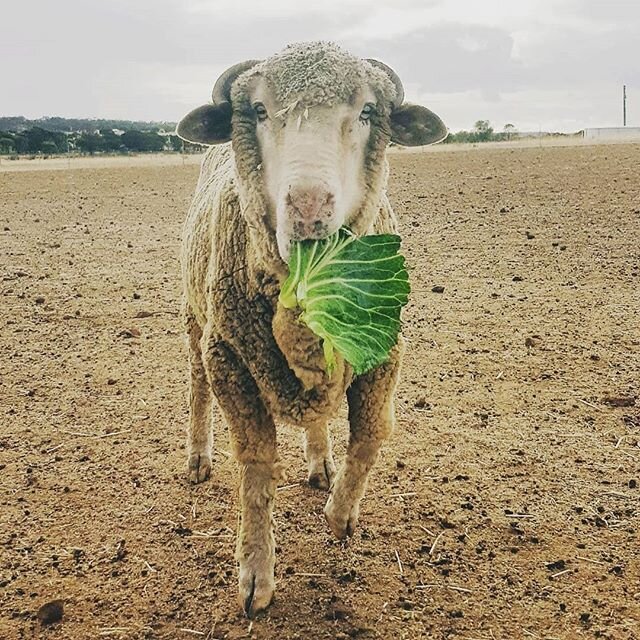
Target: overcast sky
549, 64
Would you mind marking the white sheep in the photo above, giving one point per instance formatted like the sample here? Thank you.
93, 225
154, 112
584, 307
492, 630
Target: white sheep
309, 128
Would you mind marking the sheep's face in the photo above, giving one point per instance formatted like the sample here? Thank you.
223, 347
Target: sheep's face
309, 128
312, 160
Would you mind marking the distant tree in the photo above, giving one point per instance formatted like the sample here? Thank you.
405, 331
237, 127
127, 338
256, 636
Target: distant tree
35, 137
461, 136
13, 123
483, 131
111, 140
48, 147
134, 140
7, 143
90, 142
142, 141
509, 130
21, 143
175, 143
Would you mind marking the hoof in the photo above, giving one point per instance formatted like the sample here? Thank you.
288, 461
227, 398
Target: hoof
256, 590
342, 522
321, 475
199, 468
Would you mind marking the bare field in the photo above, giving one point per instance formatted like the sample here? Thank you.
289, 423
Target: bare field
174, 159
505, 506
99, 162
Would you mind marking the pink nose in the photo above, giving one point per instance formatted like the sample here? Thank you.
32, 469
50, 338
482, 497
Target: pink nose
310, 203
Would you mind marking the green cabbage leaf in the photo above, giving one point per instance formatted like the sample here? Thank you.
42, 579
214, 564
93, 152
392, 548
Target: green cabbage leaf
350, 291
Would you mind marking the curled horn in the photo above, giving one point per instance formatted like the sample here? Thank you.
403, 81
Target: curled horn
222, 88
394, 78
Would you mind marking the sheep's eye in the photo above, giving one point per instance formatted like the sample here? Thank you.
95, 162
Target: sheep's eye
366, 112
261, 111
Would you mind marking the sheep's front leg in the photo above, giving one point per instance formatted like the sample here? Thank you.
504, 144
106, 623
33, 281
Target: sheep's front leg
317, 452
371, 420
200, 433
256, 543
253, 440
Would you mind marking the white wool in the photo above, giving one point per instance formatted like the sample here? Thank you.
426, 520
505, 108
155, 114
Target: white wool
313, 73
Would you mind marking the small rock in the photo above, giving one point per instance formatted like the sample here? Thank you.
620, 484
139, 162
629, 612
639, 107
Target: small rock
143, 314
111, 381
347, 576
530, 235
337, 612
51, 612
437, 289
129, 333
517, 279
121, 552
627, 401
39, 300
136, 295
633, 484
182, 531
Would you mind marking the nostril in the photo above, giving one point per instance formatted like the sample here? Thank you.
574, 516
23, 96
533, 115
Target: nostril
309, 200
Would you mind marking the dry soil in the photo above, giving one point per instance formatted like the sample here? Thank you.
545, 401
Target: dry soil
505, 506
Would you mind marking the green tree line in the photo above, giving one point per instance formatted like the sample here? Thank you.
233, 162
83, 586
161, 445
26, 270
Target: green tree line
483, 132
55, 123
37, 140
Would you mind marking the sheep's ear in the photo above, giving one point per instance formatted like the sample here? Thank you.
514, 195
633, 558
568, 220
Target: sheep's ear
208, 124
413, 125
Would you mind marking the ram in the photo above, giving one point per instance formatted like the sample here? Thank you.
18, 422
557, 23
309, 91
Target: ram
309, 128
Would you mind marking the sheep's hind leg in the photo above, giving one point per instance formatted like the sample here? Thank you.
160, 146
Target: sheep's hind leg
253, 439
317, 452
200, 432
371, 421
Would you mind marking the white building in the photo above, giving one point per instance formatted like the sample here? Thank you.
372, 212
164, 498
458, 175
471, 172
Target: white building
612, 133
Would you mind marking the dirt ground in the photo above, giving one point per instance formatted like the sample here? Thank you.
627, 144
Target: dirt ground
505, 506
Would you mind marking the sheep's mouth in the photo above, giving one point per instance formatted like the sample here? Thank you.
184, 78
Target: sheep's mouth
317, 230
291, 233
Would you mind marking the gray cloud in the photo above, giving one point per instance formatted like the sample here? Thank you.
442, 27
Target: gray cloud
451, 58
559, 64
